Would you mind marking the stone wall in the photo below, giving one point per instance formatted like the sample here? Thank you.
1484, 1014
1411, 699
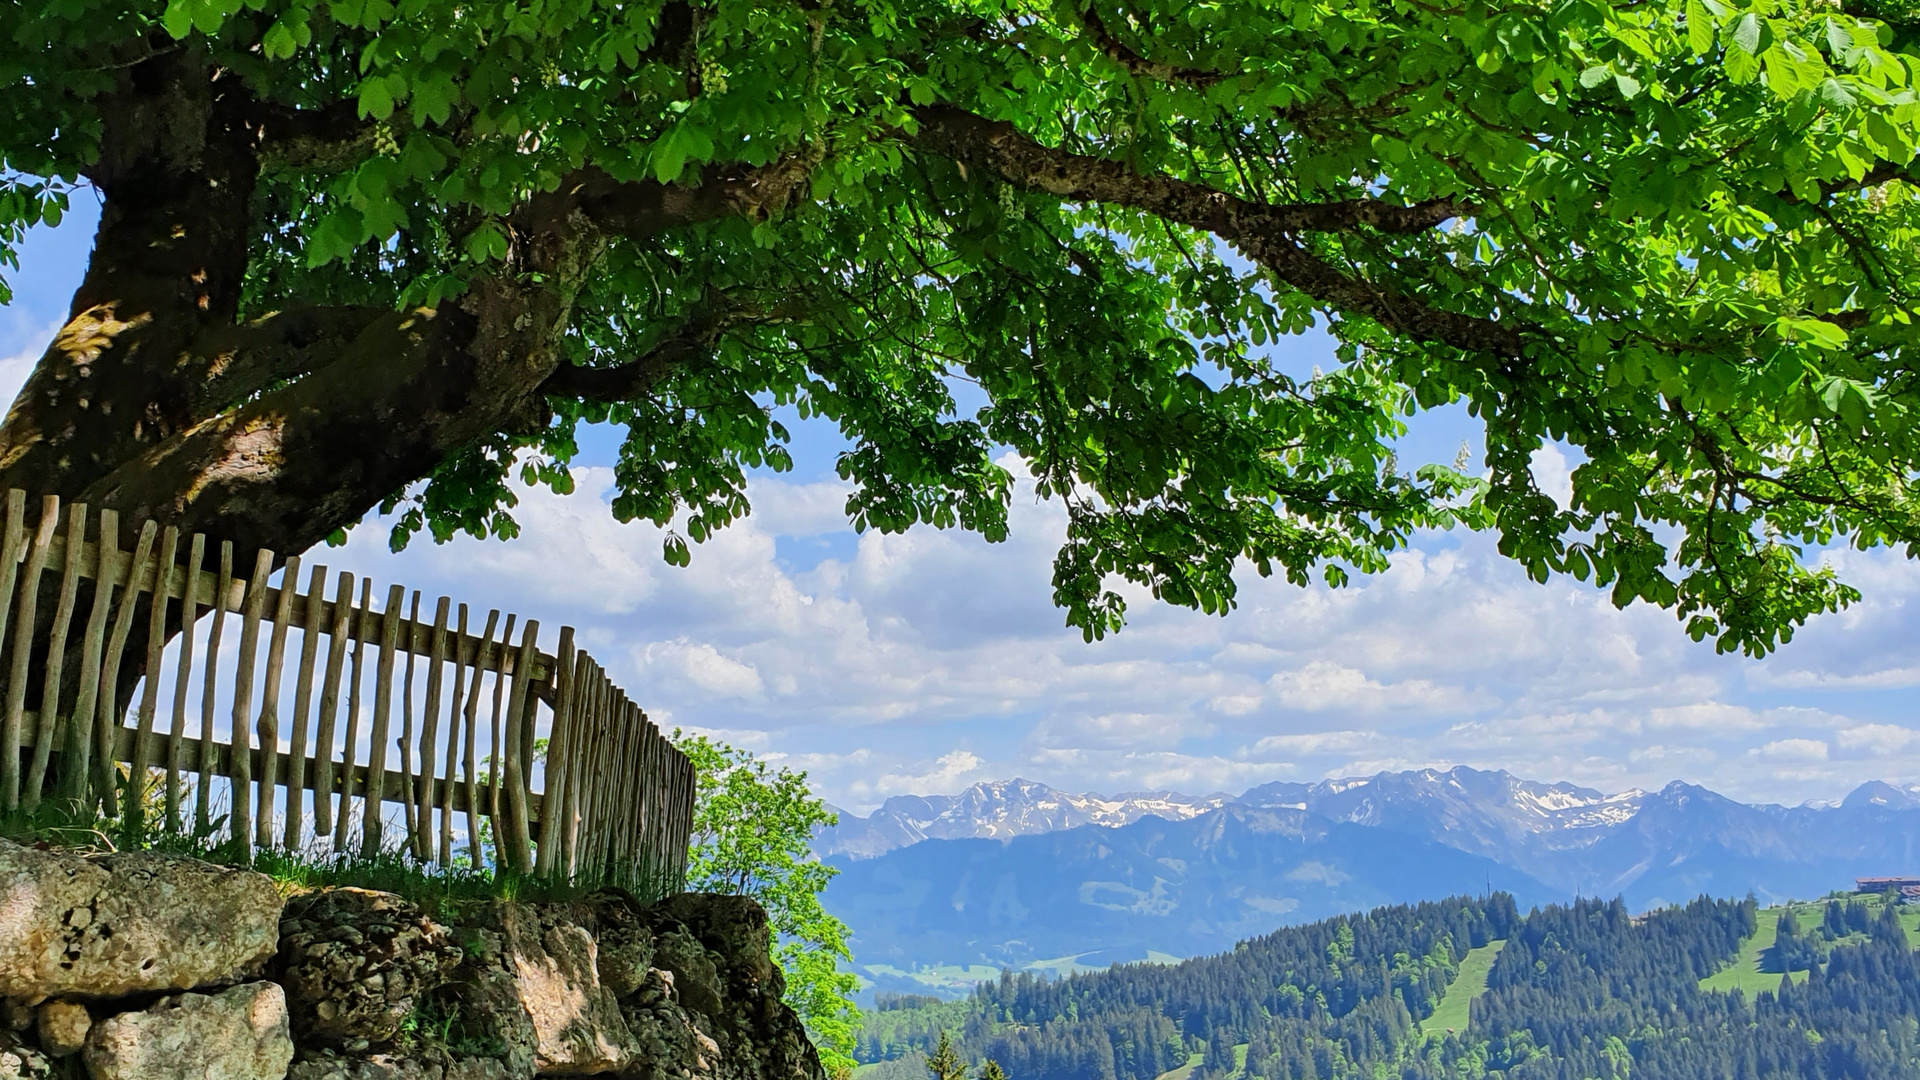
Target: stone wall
150, 967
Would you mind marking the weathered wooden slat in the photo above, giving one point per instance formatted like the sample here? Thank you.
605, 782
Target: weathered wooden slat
470, 762
557, 742
310, 630
330, 705
453, 741
602, 808
242, 717
47, 728
79, 779
577, 734
10, 734
209, 691
150, 678
616, 773
371, 827
430, 729
413, 840
519, 710
107, 709
12, 541
183, 678
361, 615
268, 726
495, 808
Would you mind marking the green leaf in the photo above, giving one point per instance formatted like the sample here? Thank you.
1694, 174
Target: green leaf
1746, 34
178, 18
1818, 332
683, 142
376, 100
1700, 28
278, 42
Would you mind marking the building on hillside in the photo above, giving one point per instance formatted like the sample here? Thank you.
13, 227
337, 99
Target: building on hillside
1908, 887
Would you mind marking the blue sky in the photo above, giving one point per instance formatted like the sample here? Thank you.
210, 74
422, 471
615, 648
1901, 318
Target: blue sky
927, 661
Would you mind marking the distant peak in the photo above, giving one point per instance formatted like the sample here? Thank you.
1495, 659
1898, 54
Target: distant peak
1881, 793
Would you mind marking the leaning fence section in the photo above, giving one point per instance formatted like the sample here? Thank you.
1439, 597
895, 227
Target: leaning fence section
364, 726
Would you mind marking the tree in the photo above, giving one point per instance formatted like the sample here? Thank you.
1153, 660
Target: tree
945, 1063
349, 246
992, 1071
753, 829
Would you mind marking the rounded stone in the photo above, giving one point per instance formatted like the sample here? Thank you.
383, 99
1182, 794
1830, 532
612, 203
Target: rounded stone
63, 1027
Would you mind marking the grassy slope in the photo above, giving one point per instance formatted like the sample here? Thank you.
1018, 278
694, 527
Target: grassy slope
1744, 973
1452, 1012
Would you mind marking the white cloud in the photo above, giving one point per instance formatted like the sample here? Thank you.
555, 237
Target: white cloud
1324, 685
705, 667
1883, 740
1793, 750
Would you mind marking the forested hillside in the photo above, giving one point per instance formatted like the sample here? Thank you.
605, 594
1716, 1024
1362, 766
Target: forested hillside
1577, 992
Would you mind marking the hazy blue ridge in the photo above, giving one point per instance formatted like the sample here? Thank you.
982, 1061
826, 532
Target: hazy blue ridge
1100, 895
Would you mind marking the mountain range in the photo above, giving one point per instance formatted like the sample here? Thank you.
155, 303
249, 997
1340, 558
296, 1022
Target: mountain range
942, 890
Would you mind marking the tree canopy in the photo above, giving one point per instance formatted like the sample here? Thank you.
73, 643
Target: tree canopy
348, 245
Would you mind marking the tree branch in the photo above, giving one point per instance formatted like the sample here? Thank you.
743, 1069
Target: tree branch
1265, 232
646, 207
1121, 53
325, 138
633, 379
239, 361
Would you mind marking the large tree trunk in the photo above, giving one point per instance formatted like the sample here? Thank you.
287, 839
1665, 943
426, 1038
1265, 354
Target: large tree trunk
151, 398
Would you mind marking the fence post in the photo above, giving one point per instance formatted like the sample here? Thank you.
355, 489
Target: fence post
23, 627
302, 702
519, 705
150, 691
269, 723
49, 729
183, 678
559, 741
240, 734
382, 724
107, 711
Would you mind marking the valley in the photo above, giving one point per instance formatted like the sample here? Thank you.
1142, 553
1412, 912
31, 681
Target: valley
1462, 989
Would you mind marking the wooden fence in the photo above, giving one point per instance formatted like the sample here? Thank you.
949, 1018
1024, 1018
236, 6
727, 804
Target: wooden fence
481, 717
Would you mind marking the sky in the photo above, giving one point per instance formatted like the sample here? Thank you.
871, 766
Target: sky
923, 662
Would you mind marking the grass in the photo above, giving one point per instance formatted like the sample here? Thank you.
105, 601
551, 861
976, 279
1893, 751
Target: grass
1456, 1004
1744, 973
59, 824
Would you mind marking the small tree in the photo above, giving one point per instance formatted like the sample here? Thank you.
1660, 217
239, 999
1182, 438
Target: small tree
992, 1071
753, 829
945, 1063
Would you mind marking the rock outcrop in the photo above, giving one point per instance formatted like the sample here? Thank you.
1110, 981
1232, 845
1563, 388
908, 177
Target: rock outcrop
125, 924
356, 963
349, 984
237, 1034
685, 989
